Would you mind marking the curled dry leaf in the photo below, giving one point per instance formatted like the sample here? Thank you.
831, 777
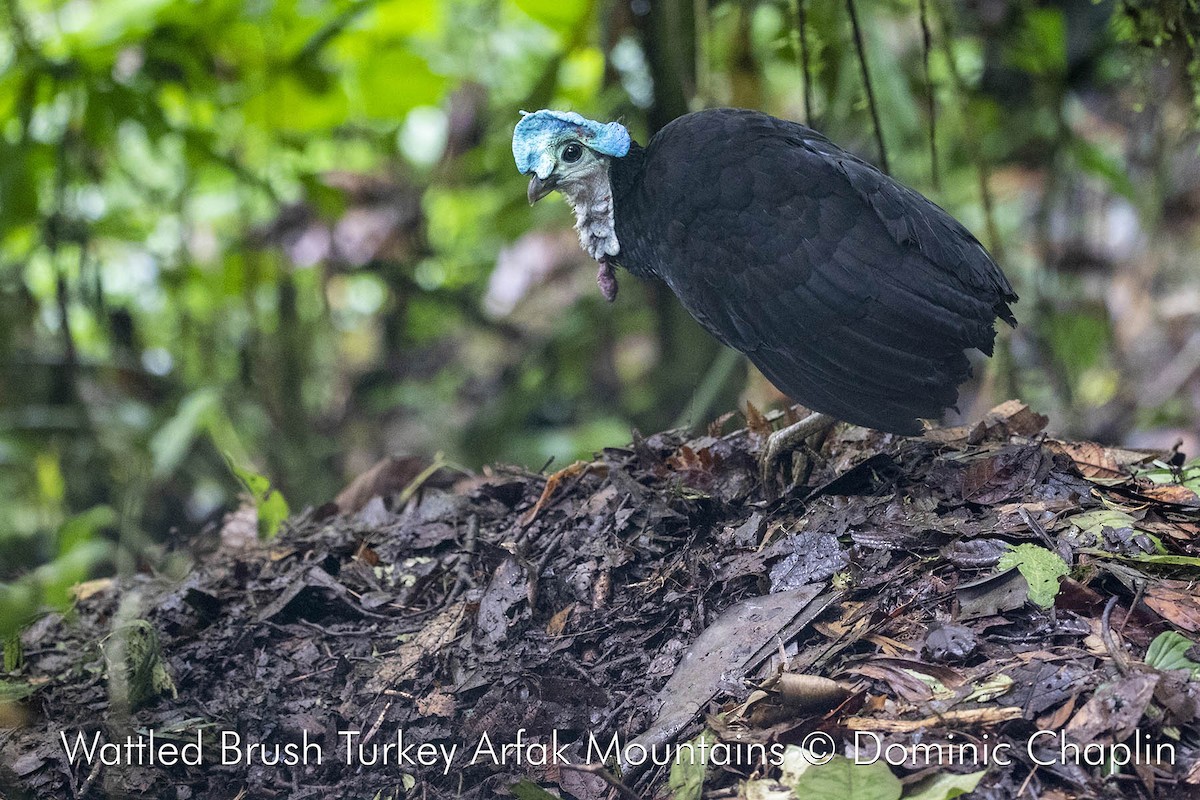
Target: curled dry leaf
1178, 606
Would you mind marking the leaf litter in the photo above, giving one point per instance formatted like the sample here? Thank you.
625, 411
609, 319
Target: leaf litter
983, 585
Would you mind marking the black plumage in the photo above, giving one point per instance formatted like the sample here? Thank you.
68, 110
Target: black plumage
855, 295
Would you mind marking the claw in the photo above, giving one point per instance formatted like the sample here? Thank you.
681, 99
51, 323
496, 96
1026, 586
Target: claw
784, 442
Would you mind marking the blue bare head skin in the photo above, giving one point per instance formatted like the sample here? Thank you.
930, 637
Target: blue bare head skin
537, 137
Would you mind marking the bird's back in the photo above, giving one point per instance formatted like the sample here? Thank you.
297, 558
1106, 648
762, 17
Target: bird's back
853, 294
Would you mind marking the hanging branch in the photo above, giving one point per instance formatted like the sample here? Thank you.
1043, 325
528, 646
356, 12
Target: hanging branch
866, 76
983, 171
926, 47
805, 68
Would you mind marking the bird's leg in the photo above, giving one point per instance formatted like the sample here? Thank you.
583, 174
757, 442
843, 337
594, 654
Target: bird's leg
782, 442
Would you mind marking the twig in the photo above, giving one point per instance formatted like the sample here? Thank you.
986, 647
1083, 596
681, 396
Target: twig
805, 65
1118, 655
463, 568
866, 76
536, 573
612, 780
91, 778
1025, 782
926, 46
378, 722
1137, 598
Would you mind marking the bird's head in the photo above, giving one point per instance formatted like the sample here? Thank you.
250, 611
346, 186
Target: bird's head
562, 150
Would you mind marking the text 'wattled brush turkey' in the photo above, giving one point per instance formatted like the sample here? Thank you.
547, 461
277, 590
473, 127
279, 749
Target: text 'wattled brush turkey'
855, 295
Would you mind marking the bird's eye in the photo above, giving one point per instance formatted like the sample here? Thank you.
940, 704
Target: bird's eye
572, 152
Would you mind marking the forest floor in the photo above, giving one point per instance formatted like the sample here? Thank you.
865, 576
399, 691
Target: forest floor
985, 608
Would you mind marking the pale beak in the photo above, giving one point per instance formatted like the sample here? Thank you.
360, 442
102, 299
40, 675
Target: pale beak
539, 188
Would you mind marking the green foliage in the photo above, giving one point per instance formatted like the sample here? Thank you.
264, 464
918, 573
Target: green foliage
79, 549
1040, 568
528, 790
842, 779
1187, 475
1169, 651
268, 502
944, 786
687, 773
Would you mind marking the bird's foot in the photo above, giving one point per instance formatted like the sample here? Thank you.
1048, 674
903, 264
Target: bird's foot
606, 279
783, 443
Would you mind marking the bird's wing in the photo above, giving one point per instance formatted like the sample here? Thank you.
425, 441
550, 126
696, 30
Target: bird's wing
853, 294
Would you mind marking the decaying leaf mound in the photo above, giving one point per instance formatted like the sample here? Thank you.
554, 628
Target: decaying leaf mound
985, 588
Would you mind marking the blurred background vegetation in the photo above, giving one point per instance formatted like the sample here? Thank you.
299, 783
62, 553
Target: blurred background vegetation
287, 238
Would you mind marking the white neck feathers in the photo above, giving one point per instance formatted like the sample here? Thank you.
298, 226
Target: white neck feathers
591, 198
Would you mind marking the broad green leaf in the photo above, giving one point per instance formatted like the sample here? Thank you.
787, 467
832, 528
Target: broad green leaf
55, 579
687, 773
83, 528
18, 187
1040, 568
842, 779
1108, 168
392, 82
1042, 49
14, 655
172, 441
290, 104
1169, 651
407, 17
272, 508
18, 604
14, 691
944, 786
1188, 475
559, 15
528, 790
1094, 522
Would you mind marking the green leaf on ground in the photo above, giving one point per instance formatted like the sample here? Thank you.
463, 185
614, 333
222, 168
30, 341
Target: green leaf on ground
272, 507
687, 773
944, 786
1040, 568
842, 779
1169, 651
1187, 475
1094, 522
528, 790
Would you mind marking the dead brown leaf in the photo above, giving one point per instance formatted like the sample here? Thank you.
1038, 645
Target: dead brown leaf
558, 623
401, 664
1114, 709
1010, 418
1091, 459
808, 692
1002, 476
436, 704
387, 476
1172, 493
756, 423
1177, 606
576, 470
